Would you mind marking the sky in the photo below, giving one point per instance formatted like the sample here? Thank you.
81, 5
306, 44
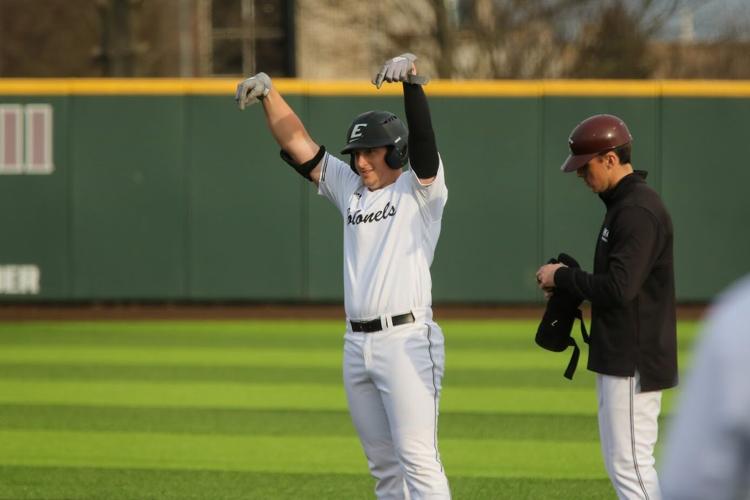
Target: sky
711, 19
703, 20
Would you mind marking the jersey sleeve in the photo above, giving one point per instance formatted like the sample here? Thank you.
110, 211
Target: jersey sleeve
431, 197
337, 181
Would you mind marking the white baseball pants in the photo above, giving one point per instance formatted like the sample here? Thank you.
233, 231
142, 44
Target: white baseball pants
393, 381
628, 429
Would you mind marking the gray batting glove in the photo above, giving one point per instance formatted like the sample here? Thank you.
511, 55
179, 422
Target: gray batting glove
252, 90
395, 70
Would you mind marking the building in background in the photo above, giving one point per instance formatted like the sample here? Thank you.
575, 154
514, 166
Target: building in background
339, 39
159, 38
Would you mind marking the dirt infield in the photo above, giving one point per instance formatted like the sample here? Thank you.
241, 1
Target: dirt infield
135, 311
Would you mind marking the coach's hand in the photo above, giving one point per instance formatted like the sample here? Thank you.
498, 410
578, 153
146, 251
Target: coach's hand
399, 69
545, 276
252, 90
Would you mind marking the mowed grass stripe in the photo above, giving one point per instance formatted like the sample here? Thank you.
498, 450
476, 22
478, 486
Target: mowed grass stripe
462, 457
568, 401
127, 484
114, 355
472, 334
551, 378
170, 330
157, 332
554, 427
277, 396
532, 358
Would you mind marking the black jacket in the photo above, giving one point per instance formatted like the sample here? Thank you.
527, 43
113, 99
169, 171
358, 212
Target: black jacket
632, 291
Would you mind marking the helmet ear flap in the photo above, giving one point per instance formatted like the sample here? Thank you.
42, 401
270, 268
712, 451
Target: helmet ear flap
351, 163
392, 158
396, 157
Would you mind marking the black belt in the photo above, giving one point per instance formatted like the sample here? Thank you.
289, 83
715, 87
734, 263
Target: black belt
375, 325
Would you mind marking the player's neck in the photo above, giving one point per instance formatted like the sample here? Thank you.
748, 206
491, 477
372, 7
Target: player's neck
618, 174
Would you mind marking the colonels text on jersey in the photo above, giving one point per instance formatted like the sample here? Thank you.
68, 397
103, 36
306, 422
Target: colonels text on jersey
357, 217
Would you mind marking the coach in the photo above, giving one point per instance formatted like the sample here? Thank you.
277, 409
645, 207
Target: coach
633, 345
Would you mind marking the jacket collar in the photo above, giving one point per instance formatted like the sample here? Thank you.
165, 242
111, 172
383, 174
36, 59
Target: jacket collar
623, 187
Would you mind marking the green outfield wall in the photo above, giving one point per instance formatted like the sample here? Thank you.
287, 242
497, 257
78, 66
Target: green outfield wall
163, 190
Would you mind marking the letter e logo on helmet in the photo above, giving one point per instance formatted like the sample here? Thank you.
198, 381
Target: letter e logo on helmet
357, 131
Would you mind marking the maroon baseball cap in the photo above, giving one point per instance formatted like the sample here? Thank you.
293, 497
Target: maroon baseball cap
593, 136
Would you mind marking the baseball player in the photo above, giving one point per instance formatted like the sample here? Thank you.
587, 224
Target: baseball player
707, 454
633, 343
393, 350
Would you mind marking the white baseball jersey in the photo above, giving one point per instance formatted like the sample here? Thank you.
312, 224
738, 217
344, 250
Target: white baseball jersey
708, 452
389, 239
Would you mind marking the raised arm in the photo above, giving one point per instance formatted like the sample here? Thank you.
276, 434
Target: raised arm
423, 154
298, 148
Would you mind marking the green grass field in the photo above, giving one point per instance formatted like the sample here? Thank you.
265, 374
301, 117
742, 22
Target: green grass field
256, 409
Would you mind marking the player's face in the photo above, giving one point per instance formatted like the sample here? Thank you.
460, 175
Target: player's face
595, 174
373, 169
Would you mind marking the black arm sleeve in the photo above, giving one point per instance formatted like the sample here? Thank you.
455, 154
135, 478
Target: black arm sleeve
630, 261
423, 154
